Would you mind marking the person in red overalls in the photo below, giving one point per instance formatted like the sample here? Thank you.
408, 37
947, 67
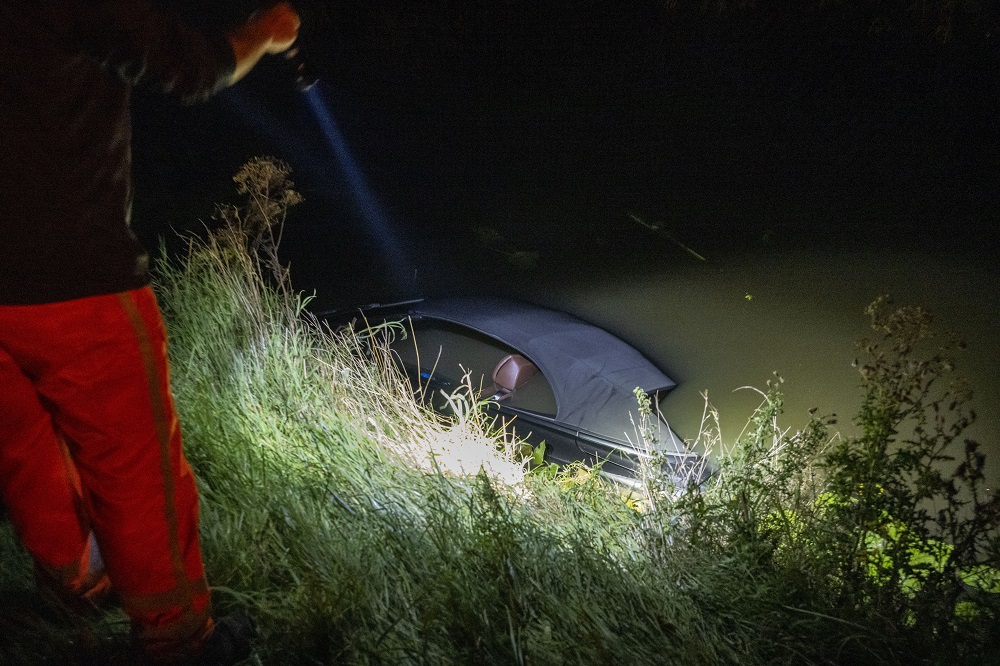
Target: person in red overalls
91, 468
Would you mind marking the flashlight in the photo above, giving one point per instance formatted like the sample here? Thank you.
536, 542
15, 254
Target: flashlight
301, 73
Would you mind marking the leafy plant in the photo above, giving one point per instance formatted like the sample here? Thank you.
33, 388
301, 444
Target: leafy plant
881, 547
909, 514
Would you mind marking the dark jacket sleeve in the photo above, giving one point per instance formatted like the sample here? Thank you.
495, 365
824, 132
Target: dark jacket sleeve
145, 45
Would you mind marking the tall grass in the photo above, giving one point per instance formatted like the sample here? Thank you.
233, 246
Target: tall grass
357, 527
332, 509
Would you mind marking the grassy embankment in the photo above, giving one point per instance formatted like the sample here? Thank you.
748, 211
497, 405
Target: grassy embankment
333, 509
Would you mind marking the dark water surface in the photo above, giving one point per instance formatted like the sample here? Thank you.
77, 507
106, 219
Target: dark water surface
731, 323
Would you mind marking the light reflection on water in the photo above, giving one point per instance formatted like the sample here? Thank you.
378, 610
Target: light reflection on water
732, 321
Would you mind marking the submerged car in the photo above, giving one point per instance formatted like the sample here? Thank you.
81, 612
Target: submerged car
548, 375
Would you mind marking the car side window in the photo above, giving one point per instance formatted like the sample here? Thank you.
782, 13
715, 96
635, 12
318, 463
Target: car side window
442, 350
535, 395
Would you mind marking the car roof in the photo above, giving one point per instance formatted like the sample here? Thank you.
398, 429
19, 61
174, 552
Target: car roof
593, 374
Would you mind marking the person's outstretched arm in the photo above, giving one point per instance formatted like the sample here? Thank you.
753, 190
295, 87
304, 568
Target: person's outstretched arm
146, 45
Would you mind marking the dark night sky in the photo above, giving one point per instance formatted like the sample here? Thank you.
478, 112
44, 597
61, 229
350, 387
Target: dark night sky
518, 116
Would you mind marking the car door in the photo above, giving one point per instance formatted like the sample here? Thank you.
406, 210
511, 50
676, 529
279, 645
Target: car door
440, 355
536, 428
616, 459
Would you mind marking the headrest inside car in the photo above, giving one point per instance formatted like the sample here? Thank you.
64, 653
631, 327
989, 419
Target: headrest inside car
512, 371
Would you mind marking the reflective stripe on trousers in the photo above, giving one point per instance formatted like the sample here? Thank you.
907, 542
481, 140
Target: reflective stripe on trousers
89, 376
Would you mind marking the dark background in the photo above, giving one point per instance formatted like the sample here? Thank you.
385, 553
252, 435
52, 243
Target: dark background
501, 133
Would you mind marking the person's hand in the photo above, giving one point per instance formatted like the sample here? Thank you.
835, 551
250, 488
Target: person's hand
280, 23
272, 30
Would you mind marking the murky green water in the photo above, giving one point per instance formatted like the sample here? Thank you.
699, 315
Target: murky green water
732, 321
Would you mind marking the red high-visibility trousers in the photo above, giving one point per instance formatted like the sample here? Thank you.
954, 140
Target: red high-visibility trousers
90, 443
